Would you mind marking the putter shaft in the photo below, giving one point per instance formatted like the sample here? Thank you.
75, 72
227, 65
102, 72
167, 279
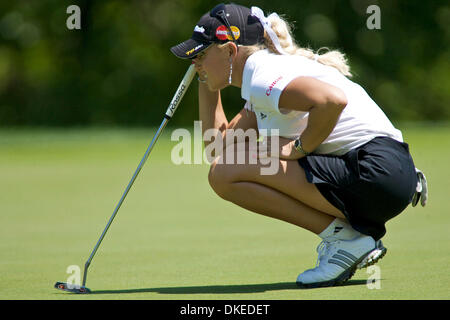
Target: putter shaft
130, 184
181, 90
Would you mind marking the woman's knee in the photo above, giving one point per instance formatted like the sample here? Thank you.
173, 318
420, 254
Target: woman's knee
219, 180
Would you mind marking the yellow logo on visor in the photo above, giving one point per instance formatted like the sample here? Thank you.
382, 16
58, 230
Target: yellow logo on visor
192, 50
236, 33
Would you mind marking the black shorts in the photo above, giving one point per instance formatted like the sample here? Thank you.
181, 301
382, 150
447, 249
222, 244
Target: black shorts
369, 185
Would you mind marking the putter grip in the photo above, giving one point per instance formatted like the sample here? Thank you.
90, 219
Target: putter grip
182, 88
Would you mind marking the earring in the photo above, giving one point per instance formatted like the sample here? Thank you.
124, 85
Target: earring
231, 71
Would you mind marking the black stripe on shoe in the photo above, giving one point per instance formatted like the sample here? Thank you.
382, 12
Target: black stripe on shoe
344, 259
339, 263
348, 255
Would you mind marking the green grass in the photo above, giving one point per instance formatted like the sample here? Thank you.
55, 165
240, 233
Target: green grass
174, 238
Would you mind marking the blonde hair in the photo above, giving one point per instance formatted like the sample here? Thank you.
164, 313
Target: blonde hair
332, 58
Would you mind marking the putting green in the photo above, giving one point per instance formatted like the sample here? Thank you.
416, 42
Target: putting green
174, 238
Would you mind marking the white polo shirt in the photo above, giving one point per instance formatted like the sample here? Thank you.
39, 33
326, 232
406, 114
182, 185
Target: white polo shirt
265, 77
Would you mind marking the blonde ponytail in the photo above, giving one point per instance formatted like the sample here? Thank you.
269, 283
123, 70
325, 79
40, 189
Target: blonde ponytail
332, 58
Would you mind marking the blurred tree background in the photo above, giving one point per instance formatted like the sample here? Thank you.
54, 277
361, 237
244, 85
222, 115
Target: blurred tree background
117, 70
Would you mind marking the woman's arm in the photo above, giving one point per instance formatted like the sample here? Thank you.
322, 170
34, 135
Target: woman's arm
324, 103
212, 114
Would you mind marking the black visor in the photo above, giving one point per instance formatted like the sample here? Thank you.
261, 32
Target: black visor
224, 23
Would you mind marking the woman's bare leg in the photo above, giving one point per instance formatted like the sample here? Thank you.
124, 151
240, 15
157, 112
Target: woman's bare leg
286, 195
272, 203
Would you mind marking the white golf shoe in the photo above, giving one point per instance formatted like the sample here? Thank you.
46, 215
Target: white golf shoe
337, 261
374, 256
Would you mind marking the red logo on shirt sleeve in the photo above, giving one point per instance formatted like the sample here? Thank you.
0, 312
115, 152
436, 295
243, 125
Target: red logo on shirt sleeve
272, 85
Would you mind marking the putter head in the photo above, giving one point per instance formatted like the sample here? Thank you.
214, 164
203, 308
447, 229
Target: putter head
72, 288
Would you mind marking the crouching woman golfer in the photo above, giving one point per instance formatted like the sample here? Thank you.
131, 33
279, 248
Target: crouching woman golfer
344, 169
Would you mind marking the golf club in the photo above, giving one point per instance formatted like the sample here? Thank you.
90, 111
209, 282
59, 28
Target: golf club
187, 79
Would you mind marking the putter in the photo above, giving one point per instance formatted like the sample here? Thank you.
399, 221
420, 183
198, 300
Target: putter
187, 79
